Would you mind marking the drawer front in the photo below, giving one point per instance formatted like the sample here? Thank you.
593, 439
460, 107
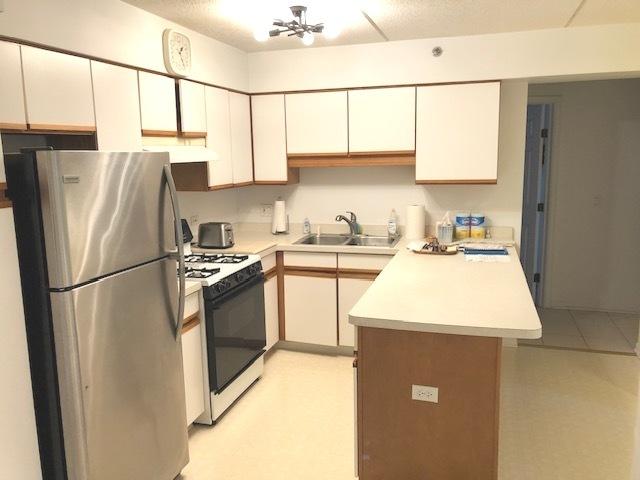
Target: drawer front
363, 262
304, 259
268, 262
192, 304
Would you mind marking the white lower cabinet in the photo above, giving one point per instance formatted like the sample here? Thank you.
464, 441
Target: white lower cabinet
349, 292
193, 358
18, 436
310, 309
271, 311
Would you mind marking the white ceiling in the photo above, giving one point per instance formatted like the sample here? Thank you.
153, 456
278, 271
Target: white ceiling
365, 21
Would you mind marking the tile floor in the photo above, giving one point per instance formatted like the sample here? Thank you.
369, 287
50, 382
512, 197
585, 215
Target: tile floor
588, 330
564, 415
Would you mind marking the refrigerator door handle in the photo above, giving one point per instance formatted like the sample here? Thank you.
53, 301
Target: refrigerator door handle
180, 252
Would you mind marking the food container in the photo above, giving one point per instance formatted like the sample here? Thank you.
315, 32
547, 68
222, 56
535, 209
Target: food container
463, 220
478, 231
476, 219
444, 233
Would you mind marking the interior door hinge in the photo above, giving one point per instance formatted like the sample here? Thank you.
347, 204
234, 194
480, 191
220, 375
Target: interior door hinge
536, 278
540, 207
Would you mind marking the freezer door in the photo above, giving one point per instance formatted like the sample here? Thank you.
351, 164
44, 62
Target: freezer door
102, 212
120, 376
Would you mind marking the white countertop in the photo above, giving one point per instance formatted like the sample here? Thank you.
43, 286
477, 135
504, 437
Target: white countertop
446, 294
191, 287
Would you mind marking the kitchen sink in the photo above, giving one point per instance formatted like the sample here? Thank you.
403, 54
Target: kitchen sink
350, 240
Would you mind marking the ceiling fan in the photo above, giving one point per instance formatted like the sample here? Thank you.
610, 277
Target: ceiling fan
297, 27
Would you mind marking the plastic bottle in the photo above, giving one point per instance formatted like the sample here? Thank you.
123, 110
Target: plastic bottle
392, 224
306, 226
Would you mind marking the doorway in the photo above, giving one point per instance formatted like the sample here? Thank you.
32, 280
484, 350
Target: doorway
536, 181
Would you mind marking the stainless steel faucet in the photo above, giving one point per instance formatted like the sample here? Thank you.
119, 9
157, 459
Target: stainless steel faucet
353, 222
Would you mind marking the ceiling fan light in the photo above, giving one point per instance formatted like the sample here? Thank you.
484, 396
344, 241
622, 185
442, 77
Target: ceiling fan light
261, 34
274, 33
307, 39
331, 31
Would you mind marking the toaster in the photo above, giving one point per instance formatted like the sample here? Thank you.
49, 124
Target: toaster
215, 235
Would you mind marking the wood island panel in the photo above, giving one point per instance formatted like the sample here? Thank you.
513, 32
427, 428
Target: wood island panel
398, 437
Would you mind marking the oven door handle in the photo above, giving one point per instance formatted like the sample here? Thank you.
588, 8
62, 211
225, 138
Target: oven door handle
179, 254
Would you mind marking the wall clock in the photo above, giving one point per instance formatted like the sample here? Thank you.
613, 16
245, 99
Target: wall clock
177, 52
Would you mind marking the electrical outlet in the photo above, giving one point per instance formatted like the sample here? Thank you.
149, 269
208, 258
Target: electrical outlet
424, 393
193, 219
266, 210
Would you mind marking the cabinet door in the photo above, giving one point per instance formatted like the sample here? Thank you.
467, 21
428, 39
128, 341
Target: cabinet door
317, 123
12, 114
382, 120
18, 435
219, 137
269, 138
193, 118
115, 95
271, 311
349, 292
193, 371
310, 318
58, 92
241, 155
457, 133
158, 104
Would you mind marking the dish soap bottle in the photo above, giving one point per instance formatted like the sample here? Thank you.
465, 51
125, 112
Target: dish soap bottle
392, 224
306, 226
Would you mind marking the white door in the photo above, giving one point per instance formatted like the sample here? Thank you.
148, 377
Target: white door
12, 113
269, 138
382, 120
117, 104
457, 133
58, 92
193, 117
349, 292
317, 123
18, 436
219, 137
271, 311
158, 104
310, 310
241, 155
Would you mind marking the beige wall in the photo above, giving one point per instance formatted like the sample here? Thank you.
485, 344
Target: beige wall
593, 259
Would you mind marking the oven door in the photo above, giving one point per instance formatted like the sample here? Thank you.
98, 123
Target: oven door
235, 332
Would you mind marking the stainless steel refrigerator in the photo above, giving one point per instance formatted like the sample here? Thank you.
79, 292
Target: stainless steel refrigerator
98, 256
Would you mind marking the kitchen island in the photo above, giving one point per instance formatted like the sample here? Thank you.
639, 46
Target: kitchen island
435, 321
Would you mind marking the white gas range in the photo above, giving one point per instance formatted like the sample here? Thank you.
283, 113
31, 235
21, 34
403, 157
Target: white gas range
235, 337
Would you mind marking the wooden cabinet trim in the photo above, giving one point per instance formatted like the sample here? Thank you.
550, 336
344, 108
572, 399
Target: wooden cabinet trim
48, 127
159, 133
193, 134
223, 186
359, 274
13, 126
191, 322
243, 184
457, 182
4, 200
353, 159
191, 176
269, 274
318, 272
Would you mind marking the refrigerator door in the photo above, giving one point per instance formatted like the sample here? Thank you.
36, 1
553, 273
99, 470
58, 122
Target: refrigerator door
120, 376
103, 212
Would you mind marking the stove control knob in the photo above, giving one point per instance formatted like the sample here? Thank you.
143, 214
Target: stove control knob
239, 276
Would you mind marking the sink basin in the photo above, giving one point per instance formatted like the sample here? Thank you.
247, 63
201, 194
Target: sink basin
324, 239
355, 240
373, 241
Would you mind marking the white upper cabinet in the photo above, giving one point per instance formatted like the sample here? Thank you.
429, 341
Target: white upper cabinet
193, 117
241, 155
12, 114
457, 133
115, 95
158, 104
382, 120
317, 123
269, 138
58, 91
219, 137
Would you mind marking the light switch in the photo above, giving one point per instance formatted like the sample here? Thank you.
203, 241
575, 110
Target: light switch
424, 393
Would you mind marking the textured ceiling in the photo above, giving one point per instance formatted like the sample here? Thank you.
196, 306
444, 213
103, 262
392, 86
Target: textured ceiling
365, 21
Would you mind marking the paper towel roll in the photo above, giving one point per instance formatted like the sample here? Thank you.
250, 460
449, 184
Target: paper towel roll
279, 222
415, 224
